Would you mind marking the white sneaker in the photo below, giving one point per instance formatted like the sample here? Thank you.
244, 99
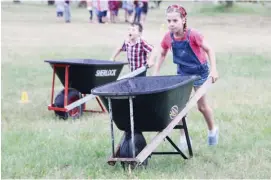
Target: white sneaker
213, 138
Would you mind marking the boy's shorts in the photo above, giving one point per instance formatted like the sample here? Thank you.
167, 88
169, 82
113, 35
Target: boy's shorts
101, 13
59, 14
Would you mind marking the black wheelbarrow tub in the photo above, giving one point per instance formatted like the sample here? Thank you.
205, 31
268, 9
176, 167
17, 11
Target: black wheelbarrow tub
85, 74
157, 100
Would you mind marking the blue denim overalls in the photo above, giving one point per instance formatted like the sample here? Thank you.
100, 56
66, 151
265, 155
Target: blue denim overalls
187, 61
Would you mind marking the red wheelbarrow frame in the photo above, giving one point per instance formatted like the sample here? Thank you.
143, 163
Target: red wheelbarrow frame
67, 107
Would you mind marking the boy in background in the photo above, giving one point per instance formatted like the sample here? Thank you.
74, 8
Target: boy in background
137, 49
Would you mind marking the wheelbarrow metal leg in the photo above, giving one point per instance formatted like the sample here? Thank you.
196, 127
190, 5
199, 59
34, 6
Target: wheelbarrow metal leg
174, 145
53, 85
179, 152
117, 151
103, 110
66, 85
111, 125
187, 137
132, 124
100, 104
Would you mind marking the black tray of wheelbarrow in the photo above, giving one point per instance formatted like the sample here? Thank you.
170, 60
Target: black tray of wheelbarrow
157, 100
85, 74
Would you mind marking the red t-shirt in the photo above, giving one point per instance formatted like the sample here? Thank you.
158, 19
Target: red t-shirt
195, 41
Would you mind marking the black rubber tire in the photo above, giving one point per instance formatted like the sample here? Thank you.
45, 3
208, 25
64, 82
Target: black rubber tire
126, 148
73, 95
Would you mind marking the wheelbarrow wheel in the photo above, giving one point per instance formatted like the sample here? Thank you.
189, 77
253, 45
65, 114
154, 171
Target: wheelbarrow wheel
126, 149
73, 95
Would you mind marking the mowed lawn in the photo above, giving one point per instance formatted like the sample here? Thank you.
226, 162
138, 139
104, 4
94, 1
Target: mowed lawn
36, 144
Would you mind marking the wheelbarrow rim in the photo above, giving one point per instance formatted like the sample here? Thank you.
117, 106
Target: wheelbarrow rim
114, 94
85, 62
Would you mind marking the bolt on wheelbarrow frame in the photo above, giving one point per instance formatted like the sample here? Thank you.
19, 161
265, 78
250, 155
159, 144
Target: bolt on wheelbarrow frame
164, 134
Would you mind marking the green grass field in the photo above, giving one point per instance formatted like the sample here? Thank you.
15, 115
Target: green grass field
36, 144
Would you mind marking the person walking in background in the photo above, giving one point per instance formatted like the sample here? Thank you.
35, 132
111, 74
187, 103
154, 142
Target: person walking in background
138, 10
128, 6
101, 8
113, 6
90, 10
157, 3
59, 8
145, 9
67, 11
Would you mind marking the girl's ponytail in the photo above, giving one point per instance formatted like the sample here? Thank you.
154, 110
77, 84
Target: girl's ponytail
185, 24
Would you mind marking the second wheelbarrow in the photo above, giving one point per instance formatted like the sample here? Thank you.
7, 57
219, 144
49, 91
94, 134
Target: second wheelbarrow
150, 104
79, 76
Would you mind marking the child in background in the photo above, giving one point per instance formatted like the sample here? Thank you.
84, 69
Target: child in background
145, 9
137, 49
113, 6
67, 11
190, 52
101, 7
59, 8
138, 10
128, 7
89, 8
